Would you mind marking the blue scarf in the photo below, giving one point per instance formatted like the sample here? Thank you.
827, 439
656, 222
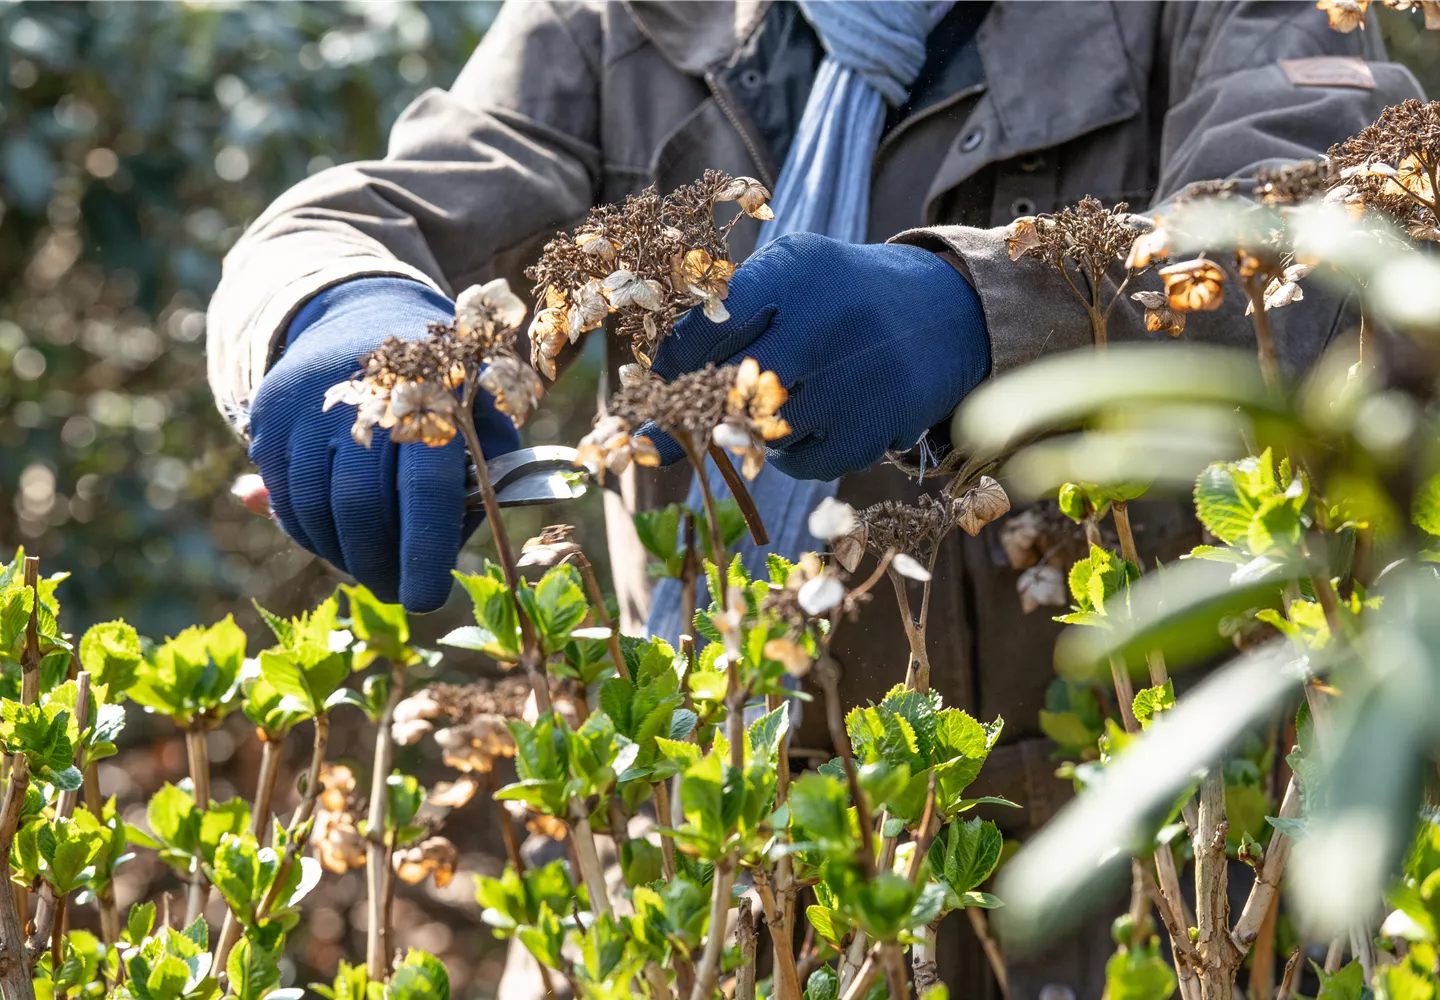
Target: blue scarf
874, 51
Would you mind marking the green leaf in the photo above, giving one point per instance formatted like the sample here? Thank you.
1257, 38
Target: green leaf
494, 613
824, 983
639, 862
383, 628
1426, 509
659, 532
768, 732
173, 818
830, 925
110, 651
139, 922
252, 970
308, 672
556, 606
972, 852
418, 977
1152, 700
68, 847
1347, 983
819, 804
1141, 974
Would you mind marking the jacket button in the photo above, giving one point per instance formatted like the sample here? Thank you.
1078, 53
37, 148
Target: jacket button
1031, 162
972, 140
1022, 206
1056, 991
751, 79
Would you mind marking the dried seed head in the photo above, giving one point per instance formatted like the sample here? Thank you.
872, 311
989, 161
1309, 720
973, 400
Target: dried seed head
553, 545
474, 744
1194, 285
789, 654
915, 529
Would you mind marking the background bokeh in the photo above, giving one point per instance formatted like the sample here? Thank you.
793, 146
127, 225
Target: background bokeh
136, 141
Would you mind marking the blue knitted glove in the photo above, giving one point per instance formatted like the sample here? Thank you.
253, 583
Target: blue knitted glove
876, 342
393, 516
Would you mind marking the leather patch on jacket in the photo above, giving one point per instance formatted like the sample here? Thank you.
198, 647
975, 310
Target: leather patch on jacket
1329, 71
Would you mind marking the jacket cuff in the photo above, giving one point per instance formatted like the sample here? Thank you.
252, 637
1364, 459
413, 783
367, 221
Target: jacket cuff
1029, 311
236, 370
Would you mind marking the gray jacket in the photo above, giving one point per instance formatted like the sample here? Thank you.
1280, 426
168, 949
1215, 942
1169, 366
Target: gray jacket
569, 104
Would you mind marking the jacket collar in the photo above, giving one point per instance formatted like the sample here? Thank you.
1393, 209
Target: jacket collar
700, 35
1071, 56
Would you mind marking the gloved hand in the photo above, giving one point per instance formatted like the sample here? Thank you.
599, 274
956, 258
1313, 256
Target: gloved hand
875, 342
393, 516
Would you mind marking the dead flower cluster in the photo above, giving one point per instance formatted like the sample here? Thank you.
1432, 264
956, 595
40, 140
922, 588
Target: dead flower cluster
646, 261
1347, 15
736, 406
1392, 165
338, 842
409, 387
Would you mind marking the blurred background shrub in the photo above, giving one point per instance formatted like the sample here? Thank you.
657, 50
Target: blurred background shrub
136, 142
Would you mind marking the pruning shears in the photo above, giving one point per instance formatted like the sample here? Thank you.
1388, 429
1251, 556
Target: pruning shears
528, 477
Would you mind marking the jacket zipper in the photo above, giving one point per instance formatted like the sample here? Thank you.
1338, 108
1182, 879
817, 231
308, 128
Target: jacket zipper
752, 145
934, 109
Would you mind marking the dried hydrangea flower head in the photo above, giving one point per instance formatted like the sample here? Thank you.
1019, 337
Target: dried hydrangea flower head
336, 837
552, 546
736, 406
409, 387
1193, 285
1392, 165
914, 529
1347, 15
433, 857
1086, 233
645, 262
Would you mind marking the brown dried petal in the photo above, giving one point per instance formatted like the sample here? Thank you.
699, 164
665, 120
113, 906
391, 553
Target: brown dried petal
596, 245
433, 856
850, 548
1022, 537
1021, 236
410, 732
625, 288
453, 794
789, 654
750, 193
515, 387
832, 519
1345, 15
588, 310
1148, 248
981, 504
423, 412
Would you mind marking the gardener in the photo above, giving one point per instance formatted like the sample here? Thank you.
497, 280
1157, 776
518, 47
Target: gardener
921, 123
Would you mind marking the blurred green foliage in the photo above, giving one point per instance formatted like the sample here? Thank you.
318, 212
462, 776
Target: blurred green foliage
136, 141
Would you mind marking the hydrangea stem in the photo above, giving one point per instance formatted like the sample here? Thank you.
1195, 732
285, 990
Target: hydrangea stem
297, 832
377, 852
530, 658
741, 493
105, 893
15, 983
49, 913
197, 747
259, 825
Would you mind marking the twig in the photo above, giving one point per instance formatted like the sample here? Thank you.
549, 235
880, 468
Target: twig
745, 938
105, 892
918, 672
894, 961
664, 817
864, 978
1267, 876
15, 983
377, 852
1287, 981
708, 970
739, 492
1219, 958
787, 973
602, 614
1262, 962
197, 747
530, 657
259, 824
49, 912
298, 832
1264, 343
922, 960
583, 840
